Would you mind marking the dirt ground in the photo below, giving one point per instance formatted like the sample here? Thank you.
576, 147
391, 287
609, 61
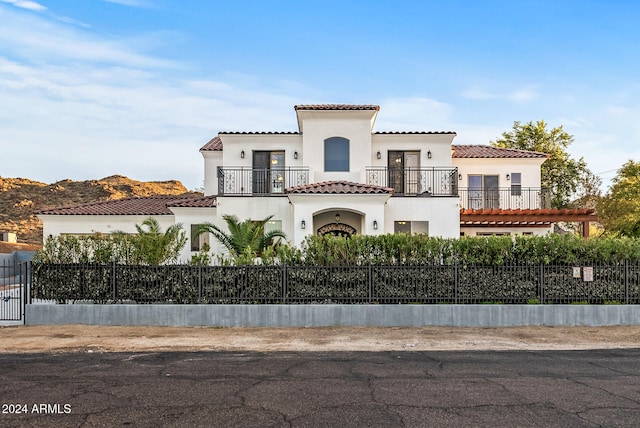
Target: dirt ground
82, 338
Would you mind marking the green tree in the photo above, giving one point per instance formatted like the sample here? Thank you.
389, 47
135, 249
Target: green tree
247, 238
564, 176
619, 209
154, 247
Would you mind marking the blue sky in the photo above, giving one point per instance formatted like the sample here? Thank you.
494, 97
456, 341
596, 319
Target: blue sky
91, 88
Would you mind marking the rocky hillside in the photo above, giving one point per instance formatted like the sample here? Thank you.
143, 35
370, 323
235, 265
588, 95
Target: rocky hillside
20, 198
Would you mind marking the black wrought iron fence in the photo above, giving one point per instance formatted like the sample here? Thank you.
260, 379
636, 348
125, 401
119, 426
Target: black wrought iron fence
367, 284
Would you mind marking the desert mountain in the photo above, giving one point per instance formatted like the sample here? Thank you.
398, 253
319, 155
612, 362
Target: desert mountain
20, 198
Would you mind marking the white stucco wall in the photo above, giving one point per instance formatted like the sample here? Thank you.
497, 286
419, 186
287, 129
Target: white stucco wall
212, 159
537, 231
529, 168
55, 225
442, 213
355, 126
318, 210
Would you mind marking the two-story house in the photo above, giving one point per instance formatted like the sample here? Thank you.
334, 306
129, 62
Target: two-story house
336, 175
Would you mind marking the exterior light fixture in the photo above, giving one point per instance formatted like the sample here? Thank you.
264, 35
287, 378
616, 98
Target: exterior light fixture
459, 177
429, 154
379, 155
303, 224
375, 224
242, 154
337, 217
508, 177
295, 155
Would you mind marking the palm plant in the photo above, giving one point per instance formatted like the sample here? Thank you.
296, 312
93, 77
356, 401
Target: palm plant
248, 235
154, 247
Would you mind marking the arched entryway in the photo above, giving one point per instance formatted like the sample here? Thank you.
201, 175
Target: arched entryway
338, 222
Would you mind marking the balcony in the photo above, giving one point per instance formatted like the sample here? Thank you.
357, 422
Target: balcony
512, 198
409, 181
263, 182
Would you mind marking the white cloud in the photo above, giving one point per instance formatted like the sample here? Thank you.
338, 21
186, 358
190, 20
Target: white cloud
38, 39
413, 114
131, 3
27, 4
480, 93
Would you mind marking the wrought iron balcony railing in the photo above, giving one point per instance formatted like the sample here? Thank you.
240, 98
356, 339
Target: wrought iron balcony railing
255, 181
409, 181
514, 197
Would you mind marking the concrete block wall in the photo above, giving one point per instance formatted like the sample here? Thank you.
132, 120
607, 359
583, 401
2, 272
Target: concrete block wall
334, 315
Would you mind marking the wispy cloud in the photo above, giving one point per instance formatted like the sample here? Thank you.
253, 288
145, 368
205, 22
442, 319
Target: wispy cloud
413, 114
480, 93
26, 4
132, 3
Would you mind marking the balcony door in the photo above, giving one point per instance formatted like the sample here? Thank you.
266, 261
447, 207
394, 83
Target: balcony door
404, 171
484, 191
268, 172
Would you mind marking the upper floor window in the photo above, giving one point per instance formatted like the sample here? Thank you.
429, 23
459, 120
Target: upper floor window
336, 154
516, 183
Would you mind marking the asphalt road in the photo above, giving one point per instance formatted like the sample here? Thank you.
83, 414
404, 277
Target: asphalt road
329, 389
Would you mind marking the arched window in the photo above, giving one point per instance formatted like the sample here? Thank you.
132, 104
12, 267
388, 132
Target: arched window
336, 154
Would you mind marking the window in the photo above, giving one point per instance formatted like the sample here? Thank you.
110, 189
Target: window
336, 154
198, 241
483, 191
516, 184
412, 227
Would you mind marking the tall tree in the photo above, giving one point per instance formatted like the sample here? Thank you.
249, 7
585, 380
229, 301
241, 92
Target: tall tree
619, 210
242, 236
564, 176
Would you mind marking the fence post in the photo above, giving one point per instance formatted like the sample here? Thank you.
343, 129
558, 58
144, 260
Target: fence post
455, 282
541, 293
200, 283
370, 283
626, 281
284, 283
113, 281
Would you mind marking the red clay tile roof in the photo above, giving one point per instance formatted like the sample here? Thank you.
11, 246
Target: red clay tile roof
484, 151
215, 144
151, 205
340, 188
414, 132
197, 202
336, 107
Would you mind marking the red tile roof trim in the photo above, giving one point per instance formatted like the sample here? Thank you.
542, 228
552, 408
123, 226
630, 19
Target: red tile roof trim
151, 205
339, 188
484, 151
336, 107
215, 144
414, 132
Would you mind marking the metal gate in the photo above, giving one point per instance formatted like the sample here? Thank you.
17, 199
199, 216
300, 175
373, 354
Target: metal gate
14, 279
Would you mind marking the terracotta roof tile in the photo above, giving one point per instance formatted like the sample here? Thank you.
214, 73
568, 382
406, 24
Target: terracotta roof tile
151, 205
259, 133
197, 202
340, 188
336, 107
484, 151
215, 144
414, 132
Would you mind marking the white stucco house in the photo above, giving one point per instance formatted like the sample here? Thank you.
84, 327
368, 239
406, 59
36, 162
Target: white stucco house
336, 175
